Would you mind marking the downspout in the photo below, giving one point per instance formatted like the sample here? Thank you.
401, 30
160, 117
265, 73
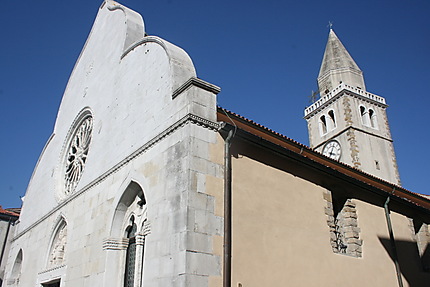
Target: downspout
5, 240
227, 211
393, 243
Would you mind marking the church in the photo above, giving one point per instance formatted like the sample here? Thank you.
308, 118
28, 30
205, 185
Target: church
145, 181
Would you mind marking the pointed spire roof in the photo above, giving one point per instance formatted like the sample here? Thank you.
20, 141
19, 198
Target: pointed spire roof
338, 66
336, 56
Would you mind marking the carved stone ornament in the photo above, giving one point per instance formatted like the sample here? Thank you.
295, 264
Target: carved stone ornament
76, 156
58, 248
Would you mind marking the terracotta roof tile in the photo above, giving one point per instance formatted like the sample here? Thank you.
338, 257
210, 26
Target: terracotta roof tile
8, 212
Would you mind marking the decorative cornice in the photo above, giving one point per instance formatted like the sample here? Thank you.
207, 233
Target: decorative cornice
198, 83
337, 92
189, 118
52, 269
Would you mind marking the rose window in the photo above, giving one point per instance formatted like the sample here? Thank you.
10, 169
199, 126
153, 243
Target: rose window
77, 154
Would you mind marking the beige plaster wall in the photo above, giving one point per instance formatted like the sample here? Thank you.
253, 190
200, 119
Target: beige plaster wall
215, 188
281, 236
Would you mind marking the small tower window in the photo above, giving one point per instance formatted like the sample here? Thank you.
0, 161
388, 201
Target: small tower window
323, 125
372, 116
332, 120
364, 116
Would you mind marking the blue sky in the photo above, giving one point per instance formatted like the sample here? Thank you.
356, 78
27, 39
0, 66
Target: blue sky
265, 55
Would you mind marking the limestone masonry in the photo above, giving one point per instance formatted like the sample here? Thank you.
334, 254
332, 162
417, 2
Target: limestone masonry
146, 182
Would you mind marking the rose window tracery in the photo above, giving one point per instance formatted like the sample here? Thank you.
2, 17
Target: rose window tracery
77, 154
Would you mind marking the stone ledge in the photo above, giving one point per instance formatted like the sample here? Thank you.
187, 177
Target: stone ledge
198, 83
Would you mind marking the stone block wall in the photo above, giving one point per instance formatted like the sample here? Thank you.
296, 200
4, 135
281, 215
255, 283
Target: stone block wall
421, 234
343, 225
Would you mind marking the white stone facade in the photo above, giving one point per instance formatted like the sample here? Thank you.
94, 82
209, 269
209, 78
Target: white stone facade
152, 124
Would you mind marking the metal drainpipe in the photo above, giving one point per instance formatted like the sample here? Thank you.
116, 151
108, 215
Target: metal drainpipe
393, 243
227, 211
5, 240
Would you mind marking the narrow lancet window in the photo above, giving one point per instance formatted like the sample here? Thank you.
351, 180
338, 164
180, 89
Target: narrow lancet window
126, 243
131, 254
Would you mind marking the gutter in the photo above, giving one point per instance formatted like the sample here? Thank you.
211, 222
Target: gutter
227, 211
5, 240
392, 241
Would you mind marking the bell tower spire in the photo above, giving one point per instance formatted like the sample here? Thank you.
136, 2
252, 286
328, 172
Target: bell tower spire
338, 67
347, 123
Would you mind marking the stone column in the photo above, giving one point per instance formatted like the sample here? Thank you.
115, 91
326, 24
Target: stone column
115, 261
140, 249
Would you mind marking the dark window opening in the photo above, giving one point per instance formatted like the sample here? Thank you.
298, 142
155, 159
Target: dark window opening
55, 283
372, 117
331, 115
323, 125
130, 259
378, 167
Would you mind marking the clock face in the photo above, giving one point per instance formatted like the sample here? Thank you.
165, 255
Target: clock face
332, 150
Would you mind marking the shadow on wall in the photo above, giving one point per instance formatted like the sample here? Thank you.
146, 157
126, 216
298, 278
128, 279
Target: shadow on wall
414, 268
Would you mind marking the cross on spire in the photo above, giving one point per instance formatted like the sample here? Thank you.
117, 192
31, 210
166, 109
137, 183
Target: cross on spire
330, 24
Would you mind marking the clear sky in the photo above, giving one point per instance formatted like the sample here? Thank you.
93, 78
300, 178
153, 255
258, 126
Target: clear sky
265, 56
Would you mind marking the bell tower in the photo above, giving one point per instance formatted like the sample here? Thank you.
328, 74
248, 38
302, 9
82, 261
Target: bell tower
347, 123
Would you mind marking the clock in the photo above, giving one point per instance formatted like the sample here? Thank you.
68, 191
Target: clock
332, 150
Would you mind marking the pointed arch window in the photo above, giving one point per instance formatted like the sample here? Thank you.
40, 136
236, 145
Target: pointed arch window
129, 230
16, 270
58, 246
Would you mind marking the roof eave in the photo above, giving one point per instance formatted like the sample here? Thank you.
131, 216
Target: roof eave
288, 147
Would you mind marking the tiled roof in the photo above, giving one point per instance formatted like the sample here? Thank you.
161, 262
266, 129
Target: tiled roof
8, 212
307, 152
